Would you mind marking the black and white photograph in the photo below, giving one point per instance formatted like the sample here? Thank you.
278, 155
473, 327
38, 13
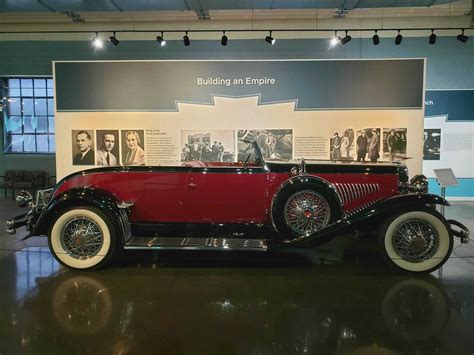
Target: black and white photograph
107, 148
394, 144
274, 143
341, 144
432, 144
133, 147
361, 146
208, 145
367, 145
83, 147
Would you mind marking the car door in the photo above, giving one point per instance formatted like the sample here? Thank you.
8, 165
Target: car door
226, 194
163, 196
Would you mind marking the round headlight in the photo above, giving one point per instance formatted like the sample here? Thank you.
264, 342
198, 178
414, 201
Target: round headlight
24, 199
418, 183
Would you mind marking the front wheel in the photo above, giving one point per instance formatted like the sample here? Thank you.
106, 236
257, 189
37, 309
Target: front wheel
416, 241
83, 238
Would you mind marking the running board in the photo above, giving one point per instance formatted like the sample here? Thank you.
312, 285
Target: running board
179, 243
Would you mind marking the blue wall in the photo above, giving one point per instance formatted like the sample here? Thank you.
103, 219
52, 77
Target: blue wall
450, 63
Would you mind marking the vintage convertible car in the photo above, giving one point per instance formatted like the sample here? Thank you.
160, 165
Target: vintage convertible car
254, 205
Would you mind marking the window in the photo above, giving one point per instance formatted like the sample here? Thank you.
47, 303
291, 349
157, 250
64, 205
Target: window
28, 115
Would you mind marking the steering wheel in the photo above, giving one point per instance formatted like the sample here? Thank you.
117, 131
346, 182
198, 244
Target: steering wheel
247, 160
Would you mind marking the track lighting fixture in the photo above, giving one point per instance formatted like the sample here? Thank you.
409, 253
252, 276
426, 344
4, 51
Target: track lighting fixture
186, 39
114, 40
224, 39
270, 39
399, 38
346, 38
97, 42
160, 39
432, 38
461, 37
335, 40
376, 38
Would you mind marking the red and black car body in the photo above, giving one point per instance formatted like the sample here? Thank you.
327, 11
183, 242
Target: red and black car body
242, 206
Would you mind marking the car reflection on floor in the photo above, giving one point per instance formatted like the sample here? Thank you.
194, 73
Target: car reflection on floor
279, 305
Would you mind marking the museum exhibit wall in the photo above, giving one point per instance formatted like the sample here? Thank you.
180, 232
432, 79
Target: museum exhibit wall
449, 66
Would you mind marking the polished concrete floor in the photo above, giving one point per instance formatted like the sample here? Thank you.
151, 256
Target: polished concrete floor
337, 299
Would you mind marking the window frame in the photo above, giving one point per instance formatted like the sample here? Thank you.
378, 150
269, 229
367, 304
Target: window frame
5, 91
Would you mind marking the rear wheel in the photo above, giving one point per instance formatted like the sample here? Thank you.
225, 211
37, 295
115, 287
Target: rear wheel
83, 238
416, 241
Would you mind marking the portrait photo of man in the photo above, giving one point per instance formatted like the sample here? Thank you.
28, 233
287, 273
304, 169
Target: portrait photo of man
82, 147
107, 154
133, 152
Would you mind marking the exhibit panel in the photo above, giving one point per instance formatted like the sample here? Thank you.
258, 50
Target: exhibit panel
166, 112
449, 139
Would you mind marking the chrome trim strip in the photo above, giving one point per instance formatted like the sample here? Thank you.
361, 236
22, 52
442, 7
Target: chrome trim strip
185, 243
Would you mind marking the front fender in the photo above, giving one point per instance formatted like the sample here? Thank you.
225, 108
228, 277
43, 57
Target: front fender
370, 217
80, 196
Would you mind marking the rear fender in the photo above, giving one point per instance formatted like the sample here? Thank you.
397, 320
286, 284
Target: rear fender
84, 196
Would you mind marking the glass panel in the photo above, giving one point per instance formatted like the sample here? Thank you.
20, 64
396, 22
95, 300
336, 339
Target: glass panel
26, 87
26, 83
17, 144
14, 92
42, 124
39, 83
40, 107
30, 143
51, 124
29, 124
50, 107
13, 83
52, 143
40, 92
13, 124
28, 107
49, 83
50, 92
42, 143
14, 107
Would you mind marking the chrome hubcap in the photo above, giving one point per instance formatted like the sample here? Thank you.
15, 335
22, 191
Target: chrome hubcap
306, 212
416, 241
81, 238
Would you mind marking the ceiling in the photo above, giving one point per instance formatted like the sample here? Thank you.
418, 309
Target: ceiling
167, 15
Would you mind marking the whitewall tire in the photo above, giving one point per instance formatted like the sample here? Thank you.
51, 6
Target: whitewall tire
416, 241
82, 238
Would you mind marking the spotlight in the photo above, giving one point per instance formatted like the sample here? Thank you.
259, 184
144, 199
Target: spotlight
161, 41
224, 39
399, 38
462, 38
186, 39
270, 39
346, 39
376, 38
97, 42
114, 40
335, 40
432, 39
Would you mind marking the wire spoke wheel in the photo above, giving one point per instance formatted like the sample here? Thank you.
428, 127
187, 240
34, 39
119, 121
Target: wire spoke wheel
81, 238
416, 241
306, 212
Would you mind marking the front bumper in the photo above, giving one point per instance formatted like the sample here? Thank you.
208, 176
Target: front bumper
460, 231
17, 222
29, 218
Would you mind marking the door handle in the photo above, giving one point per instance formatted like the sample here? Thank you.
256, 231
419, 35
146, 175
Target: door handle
192, 185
